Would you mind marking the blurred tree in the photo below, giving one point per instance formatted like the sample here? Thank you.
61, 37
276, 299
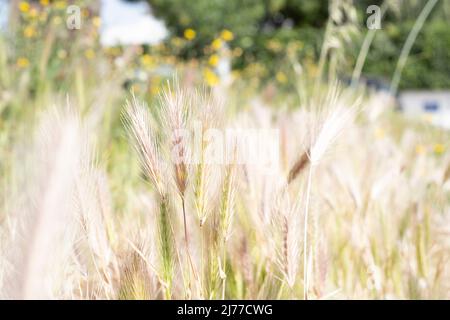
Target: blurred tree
268, 31
207, 18
246, 19
428, 63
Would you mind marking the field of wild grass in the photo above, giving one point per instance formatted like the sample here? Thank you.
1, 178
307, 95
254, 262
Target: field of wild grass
96, 204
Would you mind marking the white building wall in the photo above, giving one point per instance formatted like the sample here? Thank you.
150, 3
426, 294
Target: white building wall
434, 105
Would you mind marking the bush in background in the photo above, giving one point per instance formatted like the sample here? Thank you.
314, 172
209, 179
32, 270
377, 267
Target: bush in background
268, 32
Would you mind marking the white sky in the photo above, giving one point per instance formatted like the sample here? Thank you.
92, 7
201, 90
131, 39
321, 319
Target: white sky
129, 23
125, 23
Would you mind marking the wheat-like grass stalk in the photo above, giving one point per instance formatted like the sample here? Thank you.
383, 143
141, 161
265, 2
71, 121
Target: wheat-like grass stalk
175, 103
92, 201
298, 166
206, 110
334, 115
286, 232
46, 213
137, 122
226, 217
166, 245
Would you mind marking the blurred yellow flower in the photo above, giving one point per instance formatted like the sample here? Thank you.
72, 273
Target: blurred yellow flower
57, 20
227, 35
190, 34
62, 54
29, 32
170, 59
439, 148
147, 60
85, 13
281, 77
44, 2
22, 62
24, 6
89, 53
60, 4
216, 44
43, 16
420, 149
379, 133
33, 13
114, 51
210, 77
274, 45
153, 89
213, 60
237, 52
96, 21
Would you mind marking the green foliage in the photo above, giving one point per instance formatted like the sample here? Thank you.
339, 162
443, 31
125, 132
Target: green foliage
166, 245
272, 32
427, 65
209, 17
253, 22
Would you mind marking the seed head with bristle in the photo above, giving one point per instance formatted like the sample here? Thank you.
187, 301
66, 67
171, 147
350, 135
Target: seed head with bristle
138, 124
175, 103
334, 115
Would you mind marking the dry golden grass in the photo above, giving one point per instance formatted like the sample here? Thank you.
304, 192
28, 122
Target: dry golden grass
357, 210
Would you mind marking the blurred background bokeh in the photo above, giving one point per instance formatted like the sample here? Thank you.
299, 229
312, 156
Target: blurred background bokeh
267, 42
384, 231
